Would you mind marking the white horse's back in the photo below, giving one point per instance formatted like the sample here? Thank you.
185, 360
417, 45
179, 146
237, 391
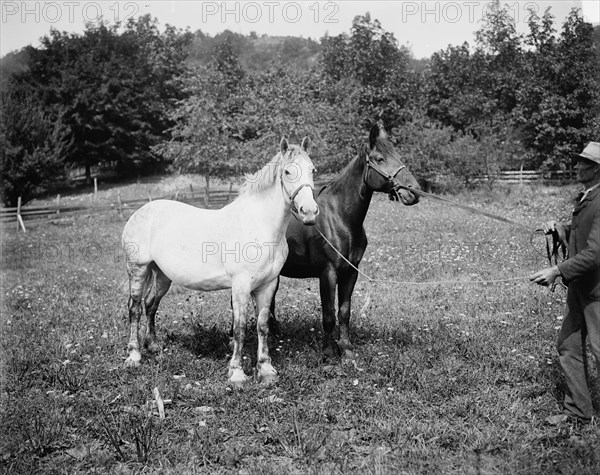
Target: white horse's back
182, 241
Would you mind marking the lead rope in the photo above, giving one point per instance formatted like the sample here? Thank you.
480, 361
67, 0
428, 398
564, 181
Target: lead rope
398, 282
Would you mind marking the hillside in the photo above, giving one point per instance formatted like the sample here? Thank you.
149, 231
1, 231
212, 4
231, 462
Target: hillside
256, 52
13, 63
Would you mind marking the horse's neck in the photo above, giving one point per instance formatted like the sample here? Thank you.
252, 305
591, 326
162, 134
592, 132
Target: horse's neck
274, 209
353, 193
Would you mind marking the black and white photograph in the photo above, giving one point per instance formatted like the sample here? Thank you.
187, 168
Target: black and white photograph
300, 237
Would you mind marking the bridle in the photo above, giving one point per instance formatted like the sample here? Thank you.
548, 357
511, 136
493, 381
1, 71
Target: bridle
292, 196
390, 177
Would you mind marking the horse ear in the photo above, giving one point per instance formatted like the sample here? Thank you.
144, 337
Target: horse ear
283, 145
374, 135
306, 145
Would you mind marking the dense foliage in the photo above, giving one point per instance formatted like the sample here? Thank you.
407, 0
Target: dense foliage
130, 98
108, 91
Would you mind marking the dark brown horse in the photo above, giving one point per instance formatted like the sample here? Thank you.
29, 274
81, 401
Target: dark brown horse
343, 205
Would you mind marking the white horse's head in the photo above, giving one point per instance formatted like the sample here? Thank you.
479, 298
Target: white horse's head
297, 180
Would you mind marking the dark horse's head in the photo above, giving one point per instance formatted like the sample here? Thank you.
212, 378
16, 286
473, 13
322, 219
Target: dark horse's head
385, 171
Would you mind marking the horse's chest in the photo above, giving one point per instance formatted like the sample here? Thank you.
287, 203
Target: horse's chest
264, 261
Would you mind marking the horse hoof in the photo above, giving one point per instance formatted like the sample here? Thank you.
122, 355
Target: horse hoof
154, 348
331, 354
131, 363
269, 380
267, 376
238, 378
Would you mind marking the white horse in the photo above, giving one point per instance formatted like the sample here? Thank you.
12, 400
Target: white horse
241, 247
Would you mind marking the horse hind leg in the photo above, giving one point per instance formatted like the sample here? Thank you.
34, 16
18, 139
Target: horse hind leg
346, 285
160, 286
139, 275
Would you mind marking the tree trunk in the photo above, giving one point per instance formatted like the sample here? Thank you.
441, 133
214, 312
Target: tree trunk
207, 190
88, 174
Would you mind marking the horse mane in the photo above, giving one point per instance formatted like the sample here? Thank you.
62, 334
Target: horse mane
384, 146
267, 176
337, 183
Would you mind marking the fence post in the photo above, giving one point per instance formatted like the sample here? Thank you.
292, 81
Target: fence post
521, 175
19, 217
120, 203
58, 204
229, 194
206, 196
95, 189
192, 191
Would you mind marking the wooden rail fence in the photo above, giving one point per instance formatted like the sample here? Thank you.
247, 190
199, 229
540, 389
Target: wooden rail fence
214, 199
22, 215
533, 176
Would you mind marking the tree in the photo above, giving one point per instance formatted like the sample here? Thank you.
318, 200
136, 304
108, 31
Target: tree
457, 86
559, 104
32, 146
110, 90
371, 56
475, 88
200, 141
227, 64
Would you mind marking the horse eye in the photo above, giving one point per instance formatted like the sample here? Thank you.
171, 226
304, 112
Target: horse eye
287, 172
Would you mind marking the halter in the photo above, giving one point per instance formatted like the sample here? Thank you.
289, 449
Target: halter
292, 196
389, 176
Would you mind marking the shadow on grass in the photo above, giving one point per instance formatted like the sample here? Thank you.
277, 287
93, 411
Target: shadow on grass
202, 341
299, 334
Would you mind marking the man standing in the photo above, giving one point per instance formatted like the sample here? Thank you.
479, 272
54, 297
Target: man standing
581, 272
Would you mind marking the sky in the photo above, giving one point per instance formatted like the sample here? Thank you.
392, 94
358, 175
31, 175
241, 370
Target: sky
423, 26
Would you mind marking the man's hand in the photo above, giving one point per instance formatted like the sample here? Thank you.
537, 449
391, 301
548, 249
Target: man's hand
549, 227
545, 276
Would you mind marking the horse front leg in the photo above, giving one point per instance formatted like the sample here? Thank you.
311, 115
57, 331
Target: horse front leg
240, 296
264, 298
327, 283
345, 289
274, 328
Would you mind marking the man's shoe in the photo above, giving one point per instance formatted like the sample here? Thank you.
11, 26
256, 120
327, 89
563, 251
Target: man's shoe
561, 418
557, 419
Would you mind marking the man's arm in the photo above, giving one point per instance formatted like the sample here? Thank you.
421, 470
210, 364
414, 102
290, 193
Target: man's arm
587, 259
548, 275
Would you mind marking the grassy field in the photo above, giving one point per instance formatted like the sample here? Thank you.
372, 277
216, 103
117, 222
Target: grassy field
454, 378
